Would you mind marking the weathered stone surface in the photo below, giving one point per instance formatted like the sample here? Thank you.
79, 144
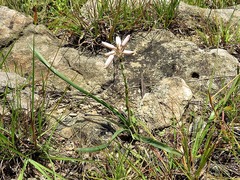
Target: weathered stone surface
11, 81
20, 57
222, 53
90, 68
13, 87
87, 72
166, 104
159, 56
89, 129
12, 24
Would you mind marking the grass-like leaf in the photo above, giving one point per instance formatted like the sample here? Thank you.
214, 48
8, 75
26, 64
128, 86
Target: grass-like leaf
20, 177
103, 146
158, 144
221, 104
44, 170
208, 149
4, 58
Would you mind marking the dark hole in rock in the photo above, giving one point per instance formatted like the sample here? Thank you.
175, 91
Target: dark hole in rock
195, 75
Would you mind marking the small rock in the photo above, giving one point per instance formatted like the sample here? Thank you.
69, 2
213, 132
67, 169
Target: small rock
66, 132
10, 80
166, 104
73, 114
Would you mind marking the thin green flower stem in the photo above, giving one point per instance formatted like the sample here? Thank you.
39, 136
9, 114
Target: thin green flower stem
34, 138
126, 94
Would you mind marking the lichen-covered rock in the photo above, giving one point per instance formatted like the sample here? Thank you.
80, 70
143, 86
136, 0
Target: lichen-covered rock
159, 55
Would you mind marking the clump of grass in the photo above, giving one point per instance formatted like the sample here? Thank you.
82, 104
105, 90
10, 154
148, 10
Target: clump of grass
101, 20
22, 132
19, 140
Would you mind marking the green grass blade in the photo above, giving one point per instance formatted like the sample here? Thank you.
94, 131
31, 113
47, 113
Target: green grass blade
93, 149
208, 149
224, 100
20, 177
52, 165
4, 139
158, 144
133, 166
235, 85
199, 138
44, 170
63, 158
5, 57
103, 146
186, 152
6, 144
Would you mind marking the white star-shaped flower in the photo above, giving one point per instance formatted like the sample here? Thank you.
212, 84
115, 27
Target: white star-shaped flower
118, 50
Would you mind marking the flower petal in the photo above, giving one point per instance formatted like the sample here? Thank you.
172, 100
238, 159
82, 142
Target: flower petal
108, 45
126, 40
118, 41
109, 60
110, 53
128, 52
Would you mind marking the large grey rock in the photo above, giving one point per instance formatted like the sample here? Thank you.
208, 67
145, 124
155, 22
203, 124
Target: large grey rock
87, 72
159, 54
90, 69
